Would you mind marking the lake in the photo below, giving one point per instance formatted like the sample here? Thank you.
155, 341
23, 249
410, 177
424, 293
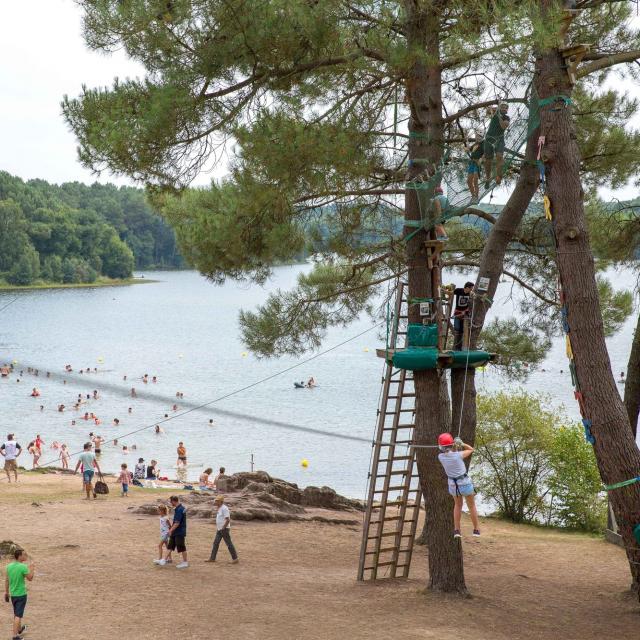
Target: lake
184, 330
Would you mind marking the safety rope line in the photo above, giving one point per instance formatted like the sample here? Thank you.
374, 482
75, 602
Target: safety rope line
311, 430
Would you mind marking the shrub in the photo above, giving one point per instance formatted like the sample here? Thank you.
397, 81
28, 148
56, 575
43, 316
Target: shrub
512, 441
534, 466
577, 500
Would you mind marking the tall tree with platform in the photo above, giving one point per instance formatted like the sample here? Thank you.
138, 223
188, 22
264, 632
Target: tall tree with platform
325, 102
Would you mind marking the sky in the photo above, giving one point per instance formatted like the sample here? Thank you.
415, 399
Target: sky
43, 56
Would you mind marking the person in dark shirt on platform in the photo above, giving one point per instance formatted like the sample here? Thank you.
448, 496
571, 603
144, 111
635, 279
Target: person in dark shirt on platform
461, 311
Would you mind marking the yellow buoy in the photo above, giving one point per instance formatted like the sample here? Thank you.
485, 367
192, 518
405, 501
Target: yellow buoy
305, 463
244, 354
366, 349
15, 362
100, 360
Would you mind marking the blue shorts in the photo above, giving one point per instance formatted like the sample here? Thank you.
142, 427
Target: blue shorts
463, 488
473, 167
87, 476
125, 488
19, 603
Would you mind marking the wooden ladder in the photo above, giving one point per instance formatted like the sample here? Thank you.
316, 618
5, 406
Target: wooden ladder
394, 495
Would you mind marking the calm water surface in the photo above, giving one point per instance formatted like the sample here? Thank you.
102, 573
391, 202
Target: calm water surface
184, 330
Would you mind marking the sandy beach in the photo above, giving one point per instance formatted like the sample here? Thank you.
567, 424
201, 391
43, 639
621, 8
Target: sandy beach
95, 578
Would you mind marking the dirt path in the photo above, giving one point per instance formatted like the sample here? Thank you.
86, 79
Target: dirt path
95, 579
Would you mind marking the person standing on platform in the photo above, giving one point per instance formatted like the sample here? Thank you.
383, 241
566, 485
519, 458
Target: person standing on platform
461, 313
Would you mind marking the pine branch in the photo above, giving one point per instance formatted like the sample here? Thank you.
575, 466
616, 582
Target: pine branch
513, 276
608, 61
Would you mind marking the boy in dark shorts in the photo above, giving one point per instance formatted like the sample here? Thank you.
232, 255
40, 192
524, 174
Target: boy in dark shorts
177, 534
475, 151
15, 589
494, 142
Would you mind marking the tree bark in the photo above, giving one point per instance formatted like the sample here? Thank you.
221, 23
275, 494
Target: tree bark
424, 95
615, 448
632, 385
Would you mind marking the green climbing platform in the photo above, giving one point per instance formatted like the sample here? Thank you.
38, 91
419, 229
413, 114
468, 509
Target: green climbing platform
422, 352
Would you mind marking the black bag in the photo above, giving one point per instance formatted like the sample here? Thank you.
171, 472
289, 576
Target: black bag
101, 487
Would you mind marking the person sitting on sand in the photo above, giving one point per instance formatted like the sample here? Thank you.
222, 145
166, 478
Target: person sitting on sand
152, 471
460, 484
221, 472
139, 470
204, 484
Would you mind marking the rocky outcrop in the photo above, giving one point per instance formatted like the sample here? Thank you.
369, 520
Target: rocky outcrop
258, 496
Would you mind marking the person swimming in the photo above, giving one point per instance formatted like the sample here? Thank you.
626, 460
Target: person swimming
311, 383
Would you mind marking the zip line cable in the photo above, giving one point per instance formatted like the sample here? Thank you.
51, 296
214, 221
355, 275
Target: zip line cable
277, 423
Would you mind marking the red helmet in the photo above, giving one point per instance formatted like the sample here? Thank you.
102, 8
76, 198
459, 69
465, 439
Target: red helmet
445, 440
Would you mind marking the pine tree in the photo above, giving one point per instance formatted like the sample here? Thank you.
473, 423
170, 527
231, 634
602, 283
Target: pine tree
325, 102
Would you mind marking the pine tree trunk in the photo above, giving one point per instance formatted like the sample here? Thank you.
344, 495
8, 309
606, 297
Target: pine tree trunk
632, 385
425, 101
616, 452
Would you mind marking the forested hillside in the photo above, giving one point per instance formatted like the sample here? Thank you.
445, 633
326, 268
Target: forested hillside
76, 233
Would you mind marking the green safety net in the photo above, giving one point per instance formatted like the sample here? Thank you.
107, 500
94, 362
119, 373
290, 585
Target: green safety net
452, 172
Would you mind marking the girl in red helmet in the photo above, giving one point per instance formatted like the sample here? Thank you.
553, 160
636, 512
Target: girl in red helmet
460, 484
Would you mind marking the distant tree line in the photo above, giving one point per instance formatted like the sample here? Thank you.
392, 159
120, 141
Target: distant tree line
75, 233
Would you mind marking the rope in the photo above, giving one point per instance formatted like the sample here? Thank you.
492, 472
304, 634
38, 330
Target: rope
8, 304
466, 368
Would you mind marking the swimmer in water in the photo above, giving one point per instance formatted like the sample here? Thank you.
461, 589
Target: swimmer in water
129, 410
158, 429
41, 407
125, 449
311, 383
211, 423
133, 392
116, 422
175, 407
154, 379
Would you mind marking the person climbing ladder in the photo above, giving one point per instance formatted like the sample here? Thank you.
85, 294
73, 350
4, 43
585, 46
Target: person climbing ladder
494, 143
460, 484
440, 208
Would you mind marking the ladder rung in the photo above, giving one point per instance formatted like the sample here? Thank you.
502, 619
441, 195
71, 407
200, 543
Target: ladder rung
386, 550
392, 413
400, 426
395, 473
391, 533
385, 564
404, 395
394, 459
389, 519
